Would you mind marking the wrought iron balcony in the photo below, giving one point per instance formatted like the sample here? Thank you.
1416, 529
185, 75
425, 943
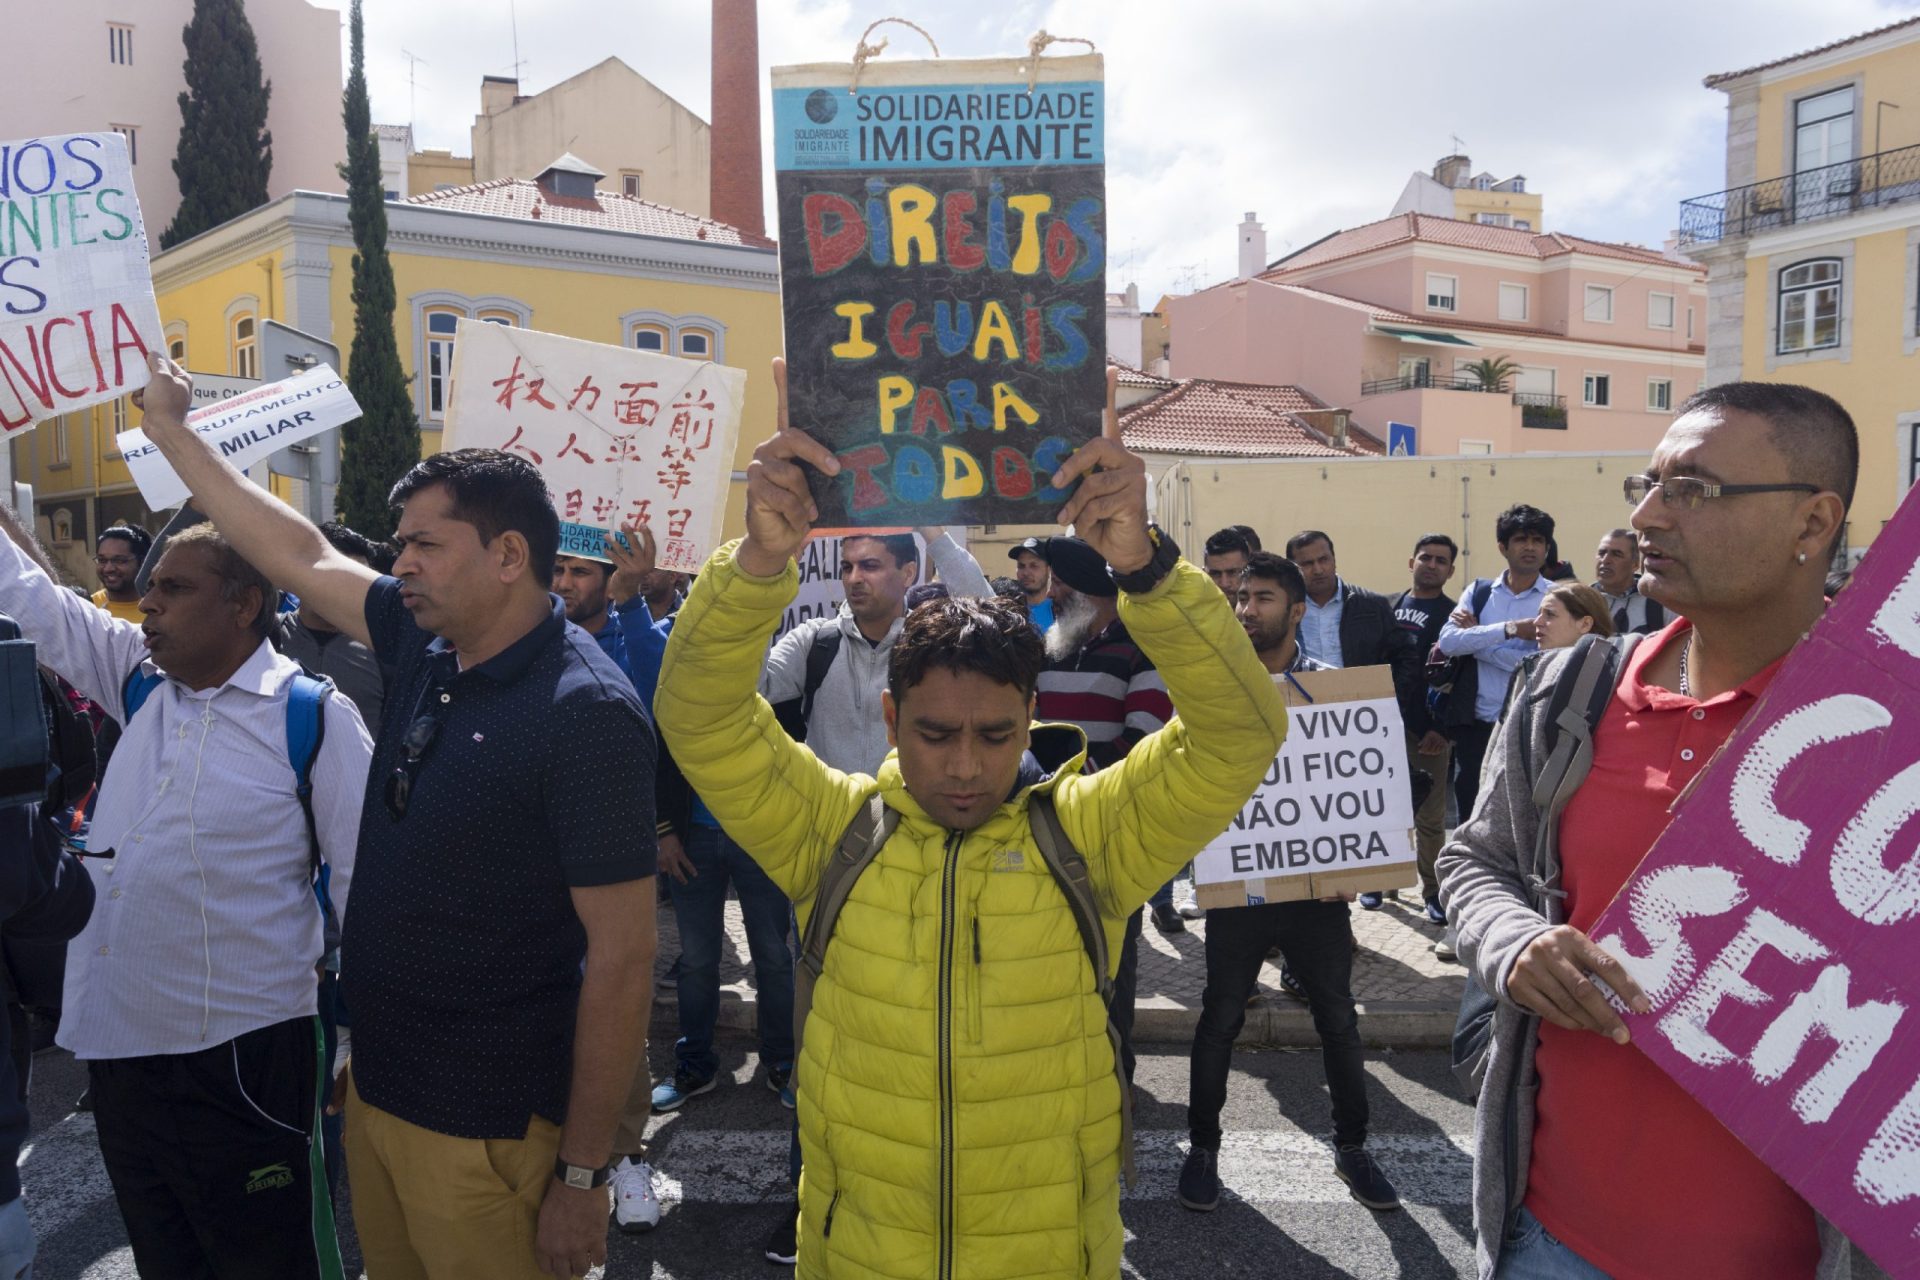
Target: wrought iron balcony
1422, 382
1542, 411
1812, 195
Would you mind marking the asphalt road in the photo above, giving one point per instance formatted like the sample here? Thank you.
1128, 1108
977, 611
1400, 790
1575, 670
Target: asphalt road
722, 1177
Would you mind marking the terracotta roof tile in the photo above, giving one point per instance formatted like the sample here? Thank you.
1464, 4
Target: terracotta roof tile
1203, 417
1132, 377
1715, 81
1404, 228
607, 211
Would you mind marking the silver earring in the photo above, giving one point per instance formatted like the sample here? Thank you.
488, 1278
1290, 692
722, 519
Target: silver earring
1803, 557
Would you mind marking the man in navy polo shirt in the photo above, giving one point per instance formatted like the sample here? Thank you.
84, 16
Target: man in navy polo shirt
500, 968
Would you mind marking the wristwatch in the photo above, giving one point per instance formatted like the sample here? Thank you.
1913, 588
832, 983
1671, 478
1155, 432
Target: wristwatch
1509, 628
581, 1178
1166, 554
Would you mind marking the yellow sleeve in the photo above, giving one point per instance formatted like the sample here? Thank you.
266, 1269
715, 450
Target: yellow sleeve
1141, 820
769, 793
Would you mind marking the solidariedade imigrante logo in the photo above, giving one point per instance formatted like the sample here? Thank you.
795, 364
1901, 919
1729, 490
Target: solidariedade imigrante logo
822, 107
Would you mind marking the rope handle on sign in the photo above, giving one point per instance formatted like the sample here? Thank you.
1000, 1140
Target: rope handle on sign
1038, 44
862, 50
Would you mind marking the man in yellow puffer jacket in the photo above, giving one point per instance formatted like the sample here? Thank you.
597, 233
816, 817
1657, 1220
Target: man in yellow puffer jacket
959, 1109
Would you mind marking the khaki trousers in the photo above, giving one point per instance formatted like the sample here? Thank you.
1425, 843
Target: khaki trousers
431, 1207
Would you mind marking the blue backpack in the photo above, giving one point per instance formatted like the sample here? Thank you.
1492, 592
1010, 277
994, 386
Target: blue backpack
306, 730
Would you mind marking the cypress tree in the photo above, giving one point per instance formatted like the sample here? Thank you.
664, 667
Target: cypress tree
225, 150
378, 447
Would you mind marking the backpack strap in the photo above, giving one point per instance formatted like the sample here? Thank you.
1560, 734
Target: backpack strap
820, 655
859, 845
306, 730
1575, 706
1070, 872
135, 688
1481, 592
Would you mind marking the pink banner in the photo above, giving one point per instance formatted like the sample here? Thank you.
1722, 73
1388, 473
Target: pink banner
1776, 924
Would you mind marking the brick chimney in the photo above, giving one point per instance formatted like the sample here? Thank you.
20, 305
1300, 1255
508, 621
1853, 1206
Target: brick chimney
734, 163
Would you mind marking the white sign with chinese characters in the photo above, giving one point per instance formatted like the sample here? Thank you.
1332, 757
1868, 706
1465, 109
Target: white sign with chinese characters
620, 436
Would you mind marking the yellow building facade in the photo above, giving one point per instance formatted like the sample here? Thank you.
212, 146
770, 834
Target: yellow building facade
618, 271
1813, 251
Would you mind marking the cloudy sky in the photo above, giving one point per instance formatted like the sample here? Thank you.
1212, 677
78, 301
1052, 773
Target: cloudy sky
1313, 114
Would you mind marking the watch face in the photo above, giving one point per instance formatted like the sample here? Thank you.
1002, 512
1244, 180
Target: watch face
580, 1178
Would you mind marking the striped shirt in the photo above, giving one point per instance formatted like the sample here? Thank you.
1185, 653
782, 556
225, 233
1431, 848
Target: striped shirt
1110, 690
204, 924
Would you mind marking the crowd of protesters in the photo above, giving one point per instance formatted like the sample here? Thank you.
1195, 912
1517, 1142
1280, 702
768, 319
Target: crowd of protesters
504, 760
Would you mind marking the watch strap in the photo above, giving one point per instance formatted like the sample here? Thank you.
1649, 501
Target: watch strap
581, 1177
1166, 554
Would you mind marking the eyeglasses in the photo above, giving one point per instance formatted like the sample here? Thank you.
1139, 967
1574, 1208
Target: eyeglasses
1688, 492
108, 562
418, 742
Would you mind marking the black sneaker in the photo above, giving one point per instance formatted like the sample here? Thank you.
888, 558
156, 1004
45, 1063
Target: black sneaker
1167, 920
1200, 1180
1364, 1179
1291, 986
1371, 901
1436, 914
783, 1246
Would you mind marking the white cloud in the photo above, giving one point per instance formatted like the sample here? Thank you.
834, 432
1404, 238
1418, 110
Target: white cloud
1312, 114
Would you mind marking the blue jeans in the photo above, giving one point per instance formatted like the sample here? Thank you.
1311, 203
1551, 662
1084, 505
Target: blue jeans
16, 1241
1534, 1253
700, 906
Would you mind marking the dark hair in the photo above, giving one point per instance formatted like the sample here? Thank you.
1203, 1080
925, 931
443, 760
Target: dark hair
900, 546
348, 542
960, 634
138, 538
1438, 540
1010, 590
235, 572
1521, 518
1306, 538
1273, 568
494, 492
921, 592
1809, 427
1235, 537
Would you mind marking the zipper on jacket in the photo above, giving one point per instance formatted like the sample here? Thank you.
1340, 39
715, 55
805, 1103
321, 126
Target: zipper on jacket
826, 1229
975, 1017
948, 890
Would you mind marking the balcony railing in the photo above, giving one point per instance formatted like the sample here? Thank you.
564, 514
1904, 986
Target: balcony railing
1421, 382
1813, 195
1542, 411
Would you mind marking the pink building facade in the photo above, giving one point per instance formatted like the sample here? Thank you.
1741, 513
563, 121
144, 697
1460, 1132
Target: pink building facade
1385, 320
116, 64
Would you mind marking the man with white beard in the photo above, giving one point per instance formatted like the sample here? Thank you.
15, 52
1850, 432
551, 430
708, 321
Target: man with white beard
1098, 680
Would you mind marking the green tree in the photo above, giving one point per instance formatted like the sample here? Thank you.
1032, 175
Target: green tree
225, 150
378, 447
1492, 374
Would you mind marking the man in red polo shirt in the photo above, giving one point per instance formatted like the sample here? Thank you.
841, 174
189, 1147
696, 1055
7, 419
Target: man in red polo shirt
1591, 1161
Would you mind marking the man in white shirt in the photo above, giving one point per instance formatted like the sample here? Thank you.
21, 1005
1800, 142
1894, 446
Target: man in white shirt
192, 992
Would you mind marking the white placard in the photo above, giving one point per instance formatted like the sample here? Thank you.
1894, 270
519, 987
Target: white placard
77, 315
1336, 799
243, 429
620, 436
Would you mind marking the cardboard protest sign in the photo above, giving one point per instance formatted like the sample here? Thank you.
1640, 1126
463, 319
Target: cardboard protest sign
1335, 812
1775, 924
77, 316
943, 264
620, 436
244, 429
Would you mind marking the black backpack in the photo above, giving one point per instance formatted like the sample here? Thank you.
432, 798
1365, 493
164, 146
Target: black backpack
1455, 682
793, 713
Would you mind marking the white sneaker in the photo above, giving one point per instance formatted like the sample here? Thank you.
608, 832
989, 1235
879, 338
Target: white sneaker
635, 1209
